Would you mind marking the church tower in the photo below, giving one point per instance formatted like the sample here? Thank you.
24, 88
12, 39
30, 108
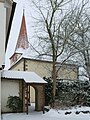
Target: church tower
22, 39
22, 42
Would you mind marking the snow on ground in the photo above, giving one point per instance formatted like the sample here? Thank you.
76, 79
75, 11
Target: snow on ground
53, 114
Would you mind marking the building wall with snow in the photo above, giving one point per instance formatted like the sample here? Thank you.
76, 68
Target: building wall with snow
43, 69
18, 66
9, 88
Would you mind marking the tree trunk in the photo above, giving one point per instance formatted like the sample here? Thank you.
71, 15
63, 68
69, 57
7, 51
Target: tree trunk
54, 83
54, 76
54, 79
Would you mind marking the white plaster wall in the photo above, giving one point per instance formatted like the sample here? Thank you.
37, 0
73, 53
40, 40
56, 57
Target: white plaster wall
0, 95
2, 32
9, 88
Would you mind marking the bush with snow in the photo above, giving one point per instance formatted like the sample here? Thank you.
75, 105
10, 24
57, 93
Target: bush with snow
69, 93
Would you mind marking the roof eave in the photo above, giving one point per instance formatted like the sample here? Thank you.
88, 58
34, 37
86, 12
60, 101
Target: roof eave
10, 23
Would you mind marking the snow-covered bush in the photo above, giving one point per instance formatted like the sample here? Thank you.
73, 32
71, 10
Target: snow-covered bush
69, 93
48, 91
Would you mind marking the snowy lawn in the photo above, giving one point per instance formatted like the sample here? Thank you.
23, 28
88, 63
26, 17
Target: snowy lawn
51, 115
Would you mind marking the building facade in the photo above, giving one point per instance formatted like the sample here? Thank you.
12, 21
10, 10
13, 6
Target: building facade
2, 31
5, 13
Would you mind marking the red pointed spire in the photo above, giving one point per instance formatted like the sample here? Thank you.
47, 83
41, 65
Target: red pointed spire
22, 39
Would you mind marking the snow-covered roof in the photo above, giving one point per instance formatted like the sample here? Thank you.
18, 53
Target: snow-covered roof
28, 77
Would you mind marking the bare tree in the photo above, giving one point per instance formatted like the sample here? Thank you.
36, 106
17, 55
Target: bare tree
81, 43
55, 25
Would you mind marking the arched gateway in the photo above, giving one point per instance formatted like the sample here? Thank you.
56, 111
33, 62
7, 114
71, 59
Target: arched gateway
39, 96
18, 83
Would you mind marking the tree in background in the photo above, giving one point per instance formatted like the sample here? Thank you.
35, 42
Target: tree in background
80, 41
54, 27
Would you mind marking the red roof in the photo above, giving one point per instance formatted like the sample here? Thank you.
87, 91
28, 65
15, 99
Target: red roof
22, 39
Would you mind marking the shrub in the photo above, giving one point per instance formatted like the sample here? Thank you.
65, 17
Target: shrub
69, 93
48, 91
14, 103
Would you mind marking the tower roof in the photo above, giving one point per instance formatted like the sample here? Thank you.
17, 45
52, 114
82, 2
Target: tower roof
22, 38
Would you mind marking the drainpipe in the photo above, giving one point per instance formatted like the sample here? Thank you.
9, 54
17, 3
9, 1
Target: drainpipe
24, 66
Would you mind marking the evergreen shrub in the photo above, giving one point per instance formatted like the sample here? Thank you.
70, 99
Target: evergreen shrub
14, 103
69, 93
